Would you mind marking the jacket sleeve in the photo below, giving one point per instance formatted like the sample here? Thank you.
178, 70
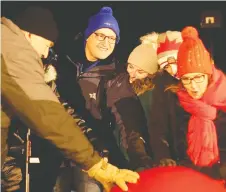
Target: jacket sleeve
130, 118
44, 115
86, 129
159, 123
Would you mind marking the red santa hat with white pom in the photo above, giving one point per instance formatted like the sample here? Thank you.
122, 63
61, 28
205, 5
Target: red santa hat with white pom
168, 46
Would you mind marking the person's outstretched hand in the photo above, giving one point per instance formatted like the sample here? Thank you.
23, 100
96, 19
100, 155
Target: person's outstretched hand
108, 175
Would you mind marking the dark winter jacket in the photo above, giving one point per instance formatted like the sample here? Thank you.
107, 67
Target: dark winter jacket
103, 97
168, 129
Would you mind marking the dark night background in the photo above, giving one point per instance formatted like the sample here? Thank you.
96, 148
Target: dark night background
135, 19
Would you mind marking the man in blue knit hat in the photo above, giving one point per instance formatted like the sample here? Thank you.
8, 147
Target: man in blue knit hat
93, 83
101, 35
27, 101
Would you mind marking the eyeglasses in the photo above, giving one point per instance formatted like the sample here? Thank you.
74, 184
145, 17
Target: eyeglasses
102, 37
197, 79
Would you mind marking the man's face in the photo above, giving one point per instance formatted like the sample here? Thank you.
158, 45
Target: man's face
195, 84
41, 45
100, 44
135, 73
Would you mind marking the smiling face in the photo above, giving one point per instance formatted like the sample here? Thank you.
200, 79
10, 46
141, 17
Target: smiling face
100, 44
195, 84
135, 73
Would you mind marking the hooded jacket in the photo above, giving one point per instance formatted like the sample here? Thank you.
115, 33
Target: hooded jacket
26, 95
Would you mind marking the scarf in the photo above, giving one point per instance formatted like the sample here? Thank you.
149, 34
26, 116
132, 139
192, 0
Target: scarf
202, 136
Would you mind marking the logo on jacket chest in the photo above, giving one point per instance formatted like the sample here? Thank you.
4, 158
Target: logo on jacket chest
93, 96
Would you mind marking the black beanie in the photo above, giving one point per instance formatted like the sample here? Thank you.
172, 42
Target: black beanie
39, 21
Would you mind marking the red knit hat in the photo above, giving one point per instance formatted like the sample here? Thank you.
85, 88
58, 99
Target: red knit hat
173, 179
192, 55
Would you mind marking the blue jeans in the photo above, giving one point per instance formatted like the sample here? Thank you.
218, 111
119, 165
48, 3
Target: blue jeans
73, 178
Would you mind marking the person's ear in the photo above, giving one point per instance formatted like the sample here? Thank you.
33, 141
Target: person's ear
28, 36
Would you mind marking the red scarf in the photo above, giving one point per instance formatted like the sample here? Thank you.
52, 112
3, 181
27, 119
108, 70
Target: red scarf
202, 136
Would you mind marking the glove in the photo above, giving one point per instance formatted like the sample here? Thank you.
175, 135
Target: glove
167, 162
145, 163
108, 174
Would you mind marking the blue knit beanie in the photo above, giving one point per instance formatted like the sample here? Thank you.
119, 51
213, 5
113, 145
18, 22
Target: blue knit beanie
103, 19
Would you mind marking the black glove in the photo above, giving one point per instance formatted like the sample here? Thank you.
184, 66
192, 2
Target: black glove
143, 163
217, 171
167, 162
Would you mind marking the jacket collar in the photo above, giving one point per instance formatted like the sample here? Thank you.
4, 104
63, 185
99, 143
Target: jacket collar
77, 55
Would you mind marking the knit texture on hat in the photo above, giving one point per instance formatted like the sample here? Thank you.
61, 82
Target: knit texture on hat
144, 56
192, 55
103, 19
168, 46
38, 21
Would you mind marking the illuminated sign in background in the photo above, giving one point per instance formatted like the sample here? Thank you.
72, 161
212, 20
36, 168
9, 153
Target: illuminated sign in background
211, 19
